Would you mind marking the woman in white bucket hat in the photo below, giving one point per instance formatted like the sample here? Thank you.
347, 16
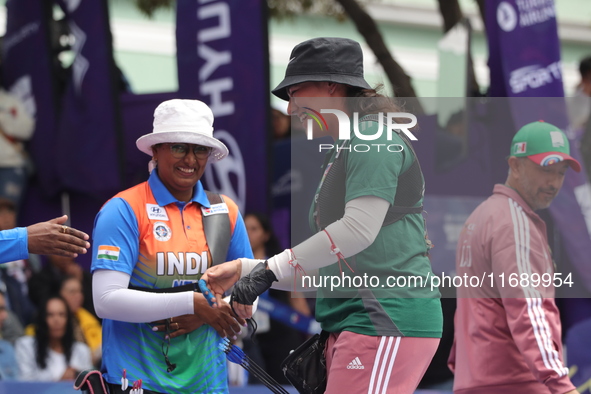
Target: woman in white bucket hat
149, 251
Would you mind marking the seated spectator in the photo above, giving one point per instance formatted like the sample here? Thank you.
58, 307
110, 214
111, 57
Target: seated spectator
87, 328
15, 274
579, 106
8, 367
52, 354
451, 143
11, 328
49, 280
281, 124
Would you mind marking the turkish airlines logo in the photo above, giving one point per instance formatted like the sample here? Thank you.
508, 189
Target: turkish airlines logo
506, 16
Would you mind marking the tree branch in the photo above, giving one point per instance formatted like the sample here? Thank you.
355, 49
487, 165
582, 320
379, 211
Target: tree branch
367, 27
450, 12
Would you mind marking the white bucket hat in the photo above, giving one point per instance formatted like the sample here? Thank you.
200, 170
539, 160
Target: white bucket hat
186, 121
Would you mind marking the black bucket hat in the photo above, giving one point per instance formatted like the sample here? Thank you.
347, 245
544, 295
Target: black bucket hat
324, 59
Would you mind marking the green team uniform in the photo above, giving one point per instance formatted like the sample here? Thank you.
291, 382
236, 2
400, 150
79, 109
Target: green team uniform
398, 251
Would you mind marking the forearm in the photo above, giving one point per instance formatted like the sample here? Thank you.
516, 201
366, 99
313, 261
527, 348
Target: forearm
113, 300
350, 235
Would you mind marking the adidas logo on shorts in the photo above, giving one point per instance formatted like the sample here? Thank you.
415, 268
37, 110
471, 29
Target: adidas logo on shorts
355, 364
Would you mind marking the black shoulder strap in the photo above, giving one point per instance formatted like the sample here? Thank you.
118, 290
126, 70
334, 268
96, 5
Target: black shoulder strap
410, 182
217, 230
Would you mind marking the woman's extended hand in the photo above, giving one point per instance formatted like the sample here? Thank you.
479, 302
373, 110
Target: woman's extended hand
222, 318
53, 237
220, 278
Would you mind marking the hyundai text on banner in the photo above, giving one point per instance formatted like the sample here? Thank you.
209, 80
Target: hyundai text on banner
222, 56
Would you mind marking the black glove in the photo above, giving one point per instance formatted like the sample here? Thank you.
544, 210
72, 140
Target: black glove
259, 280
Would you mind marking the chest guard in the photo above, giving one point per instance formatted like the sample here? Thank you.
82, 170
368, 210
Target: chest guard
330, 205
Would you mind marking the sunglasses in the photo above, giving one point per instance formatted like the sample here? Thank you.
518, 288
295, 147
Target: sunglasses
180, 150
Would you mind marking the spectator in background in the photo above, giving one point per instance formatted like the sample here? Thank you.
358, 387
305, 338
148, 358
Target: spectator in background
8, 367
281, 124
16, 126
585, 71
11, 328
87, 328
580, 112
52, 354
451, 142
508, 337
49, 280
15, 274
276, 342
579, 106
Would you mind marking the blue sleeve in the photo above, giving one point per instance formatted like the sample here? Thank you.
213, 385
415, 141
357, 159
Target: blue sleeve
14, 244
239, 244
115, 226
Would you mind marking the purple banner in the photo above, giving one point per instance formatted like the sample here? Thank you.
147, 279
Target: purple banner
524, 57
28, 73
222, 55
525, 66
90, 127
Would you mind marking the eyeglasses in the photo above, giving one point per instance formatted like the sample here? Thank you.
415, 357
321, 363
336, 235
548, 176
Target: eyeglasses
180, 150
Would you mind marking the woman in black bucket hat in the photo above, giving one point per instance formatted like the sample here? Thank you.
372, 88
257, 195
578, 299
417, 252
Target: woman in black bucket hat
384, 324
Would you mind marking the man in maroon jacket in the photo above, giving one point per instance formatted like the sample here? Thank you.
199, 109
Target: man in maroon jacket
507, 328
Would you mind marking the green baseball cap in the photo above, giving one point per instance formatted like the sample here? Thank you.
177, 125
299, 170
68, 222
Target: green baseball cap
544, 144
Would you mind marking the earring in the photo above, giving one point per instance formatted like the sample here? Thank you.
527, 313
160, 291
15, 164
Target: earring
152, 165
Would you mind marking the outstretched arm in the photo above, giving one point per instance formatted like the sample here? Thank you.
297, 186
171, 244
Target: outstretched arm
348, 236
53, 237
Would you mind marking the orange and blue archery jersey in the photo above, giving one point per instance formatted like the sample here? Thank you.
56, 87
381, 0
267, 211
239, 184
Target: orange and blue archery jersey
145, 232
